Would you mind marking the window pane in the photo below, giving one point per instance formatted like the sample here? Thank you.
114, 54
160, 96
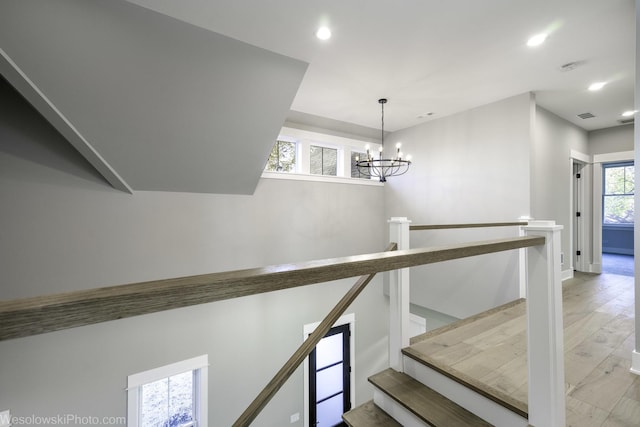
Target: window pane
355, 172
154, 403
323, 161
282, 157
614, 180
180, 399
629, 177
329, 381
618, 209
167, 402
329, 351
329, 161
329, 412
315, 165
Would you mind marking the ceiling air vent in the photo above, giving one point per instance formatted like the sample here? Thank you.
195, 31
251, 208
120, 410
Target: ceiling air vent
586, 115
626, 121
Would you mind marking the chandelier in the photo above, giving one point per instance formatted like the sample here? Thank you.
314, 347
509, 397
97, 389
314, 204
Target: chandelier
380, 167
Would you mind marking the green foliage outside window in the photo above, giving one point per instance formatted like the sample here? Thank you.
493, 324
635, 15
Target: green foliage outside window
618, 197
282, 157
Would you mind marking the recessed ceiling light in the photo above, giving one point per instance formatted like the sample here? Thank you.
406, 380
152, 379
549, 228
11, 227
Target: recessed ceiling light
323, 33
597, 86
537, 40
629, 113
425, 115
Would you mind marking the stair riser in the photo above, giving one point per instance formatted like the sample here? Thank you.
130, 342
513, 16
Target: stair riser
395, 410
485, 408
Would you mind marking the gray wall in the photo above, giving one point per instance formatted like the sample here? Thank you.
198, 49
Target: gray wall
63, 228
469, 167
611, 140
551, 172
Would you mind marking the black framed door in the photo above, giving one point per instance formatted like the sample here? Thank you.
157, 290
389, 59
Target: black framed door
330, 379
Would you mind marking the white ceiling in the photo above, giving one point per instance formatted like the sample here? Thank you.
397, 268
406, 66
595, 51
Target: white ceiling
437, 56
159, 94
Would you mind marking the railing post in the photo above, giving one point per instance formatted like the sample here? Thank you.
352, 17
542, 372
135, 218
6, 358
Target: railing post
398, 296
522, 261
545, 334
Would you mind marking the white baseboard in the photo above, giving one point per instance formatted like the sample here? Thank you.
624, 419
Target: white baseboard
567, 274
595, 268
635, 362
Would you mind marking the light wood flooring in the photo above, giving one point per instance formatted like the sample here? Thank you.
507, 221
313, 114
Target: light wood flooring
599, 340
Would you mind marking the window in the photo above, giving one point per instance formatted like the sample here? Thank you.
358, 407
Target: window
170, 396
324, 161
306, 155
282, 157
618, 194
355, 172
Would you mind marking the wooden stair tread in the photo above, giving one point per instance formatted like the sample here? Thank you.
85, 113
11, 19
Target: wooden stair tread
369, 415
479, 387
428, 405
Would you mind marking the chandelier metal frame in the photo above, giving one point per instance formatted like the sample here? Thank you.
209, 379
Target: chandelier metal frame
383, 167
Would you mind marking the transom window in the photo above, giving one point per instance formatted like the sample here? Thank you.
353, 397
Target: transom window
283, 157
306, 155
323, 161
355, 172
618, 194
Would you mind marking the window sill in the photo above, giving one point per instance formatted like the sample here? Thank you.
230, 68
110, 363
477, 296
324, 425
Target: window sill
618, 226
320, 178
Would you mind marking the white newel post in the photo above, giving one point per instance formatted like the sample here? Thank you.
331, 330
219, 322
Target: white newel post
398, 296
545, 346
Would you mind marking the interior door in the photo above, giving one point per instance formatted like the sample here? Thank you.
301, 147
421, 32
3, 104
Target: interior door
330, 379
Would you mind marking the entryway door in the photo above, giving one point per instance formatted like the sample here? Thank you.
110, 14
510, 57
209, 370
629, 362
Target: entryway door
330, 379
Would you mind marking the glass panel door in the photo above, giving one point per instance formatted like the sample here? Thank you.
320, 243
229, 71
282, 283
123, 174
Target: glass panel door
329, 382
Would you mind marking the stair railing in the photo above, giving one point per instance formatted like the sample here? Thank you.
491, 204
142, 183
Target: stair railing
36, 315
542, 285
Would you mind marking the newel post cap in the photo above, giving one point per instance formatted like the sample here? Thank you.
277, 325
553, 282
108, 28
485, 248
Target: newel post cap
399, 219
543, 225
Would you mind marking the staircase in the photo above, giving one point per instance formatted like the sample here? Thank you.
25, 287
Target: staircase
431, 392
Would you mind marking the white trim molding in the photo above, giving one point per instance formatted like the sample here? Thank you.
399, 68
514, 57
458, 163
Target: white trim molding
635, 362
614, 157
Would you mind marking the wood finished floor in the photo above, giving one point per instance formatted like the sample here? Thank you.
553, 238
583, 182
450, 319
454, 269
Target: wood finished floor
599, 340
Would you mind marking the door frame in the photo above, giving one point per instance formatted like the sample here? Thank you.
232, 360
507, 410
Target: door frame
598, 160
579, 230
347, 319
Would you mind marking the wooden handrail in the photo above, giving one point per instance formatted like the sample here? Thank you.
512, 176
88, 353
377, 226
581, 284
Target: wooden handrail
304, 350
477, 225
36, 315
426, 256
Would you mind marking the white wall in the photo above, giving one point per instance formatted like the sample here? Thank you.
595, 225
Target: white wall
469, 167
62, 228
551, 172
